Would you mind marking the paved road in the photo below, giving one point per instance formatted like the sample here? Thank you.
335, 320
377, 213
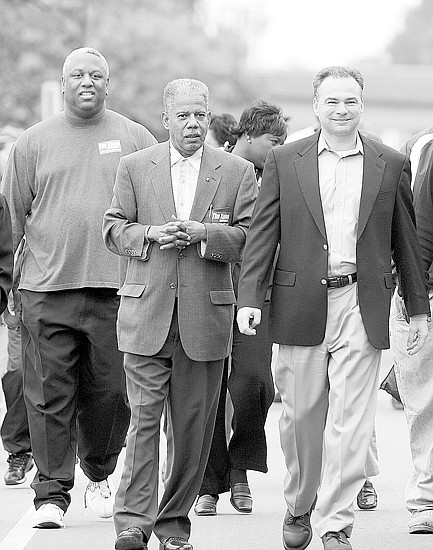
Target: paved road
382, 529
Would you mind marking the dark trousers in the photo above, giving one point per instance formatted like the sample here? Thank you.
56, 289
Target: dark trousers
15, 428
187, 391
252, 392
74, 387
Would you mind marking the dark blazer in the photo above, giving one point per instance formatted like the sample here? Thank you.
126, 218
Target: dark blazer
143, 196
6, 253
289, 212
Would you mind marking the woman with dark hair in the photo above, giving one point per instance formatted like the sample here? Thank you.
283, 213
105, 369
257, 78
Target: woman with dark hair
250, 383
222, 131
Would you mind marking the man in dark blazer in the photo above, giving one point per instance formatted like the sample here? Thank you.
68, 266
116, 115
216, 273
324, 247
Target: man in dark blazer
340, 207
180, 213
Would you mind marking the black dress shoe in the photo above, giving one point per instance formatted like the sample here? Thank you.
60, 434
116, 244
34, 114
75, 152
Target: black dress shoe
367, 497
206, 505
240, 498
131, 539
297, 532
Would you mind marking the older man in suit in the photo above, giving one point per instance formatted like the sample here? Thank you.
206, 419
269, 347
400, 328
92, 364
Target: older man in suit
180, 213
339, 205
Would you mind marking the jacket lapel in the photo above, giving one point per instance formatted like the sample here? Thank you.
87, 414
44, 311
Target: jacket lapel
374, 168
308, 176
160, 175
207, 184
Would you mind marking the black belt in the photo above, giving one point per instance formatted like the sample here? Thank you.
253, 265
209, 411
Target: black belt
343, 280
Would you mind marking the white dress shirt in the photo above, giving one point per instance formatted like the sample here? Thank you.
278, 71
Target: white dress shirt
184, 176
340, 181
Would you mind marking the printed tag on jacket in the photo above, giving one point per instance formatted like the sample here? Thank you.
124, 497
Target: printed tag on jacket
112, 146
220, 215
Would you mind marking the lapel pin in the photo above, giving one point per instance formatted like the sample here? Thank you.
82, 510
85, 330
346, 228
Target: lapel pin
207, 179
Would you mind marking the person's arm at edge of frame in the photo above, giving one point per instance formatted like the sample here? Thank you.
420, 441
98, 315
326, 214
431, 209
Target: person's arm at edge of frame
407, 257
6, 253
424, 219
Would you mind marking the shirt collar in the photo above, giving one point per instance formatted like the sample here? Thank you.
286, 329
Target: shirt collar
322, 145
194, 160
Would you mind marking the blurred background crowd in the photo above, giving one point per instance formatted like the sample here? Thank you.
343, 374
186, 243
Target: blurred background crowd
236, 47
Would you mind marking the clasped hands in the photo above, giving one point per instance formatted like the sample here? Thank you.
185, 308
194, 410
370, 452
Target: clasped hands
177, 233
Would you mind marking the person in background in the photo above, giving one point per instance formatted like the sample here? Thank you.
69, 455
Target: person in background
339, 206
6, 276
366, 499
58, 183
6, 253
260, 128
14, 429
250, 384
222, 131
414, 374
180, 214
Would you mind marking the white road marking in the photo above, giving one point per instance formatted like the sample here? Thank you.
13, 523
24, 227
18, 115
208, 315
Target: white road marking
20, 535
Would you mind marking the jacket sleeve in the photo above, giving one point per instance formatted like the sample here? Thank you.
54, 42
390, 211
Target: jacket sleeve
225, 243
121, 232
424, 216
406, 248
262, 240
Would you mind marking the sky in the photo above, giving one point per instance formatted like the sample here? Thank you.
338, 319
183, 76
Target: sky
313, 33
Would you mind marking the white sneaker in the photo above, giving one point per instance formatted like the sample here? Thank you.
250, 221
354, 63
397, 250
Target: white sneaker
421, 522
99, 499
48, 516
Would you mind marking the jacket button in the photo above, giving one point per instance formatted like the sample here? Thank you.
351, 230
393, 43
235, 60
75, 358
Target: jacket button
325, 247
324, 281
172, 285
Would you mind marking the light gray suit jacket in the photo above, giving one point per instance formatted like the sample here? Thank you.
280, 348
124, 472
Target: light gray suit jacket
143, 196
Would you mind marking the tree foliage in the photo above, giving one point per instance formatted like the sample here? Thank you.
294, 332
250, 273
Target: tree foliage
414, 45
146, 43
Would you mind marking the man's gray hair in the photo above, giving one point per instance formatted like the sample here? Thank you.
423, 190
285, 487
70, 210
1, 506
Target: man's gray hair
185, 86
337, 71
79, 51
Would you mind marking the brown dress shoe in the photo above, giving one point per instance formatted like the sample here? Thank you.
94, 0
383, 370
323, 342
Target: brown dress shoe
333, 540
206, 505
367, 497
240, 498
297, 532
131, 539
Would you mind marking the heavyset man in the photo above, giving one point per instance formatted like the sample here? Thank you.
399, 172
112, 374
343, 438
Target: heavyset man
58, 183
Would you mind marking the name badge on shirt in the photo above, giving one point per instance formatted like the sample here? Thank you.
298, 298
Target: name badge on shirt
220, 215
112, 146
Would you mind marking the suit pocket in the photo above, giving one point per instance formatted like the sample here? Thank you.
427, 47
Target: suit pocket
284, 278
222, 297
133, 291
